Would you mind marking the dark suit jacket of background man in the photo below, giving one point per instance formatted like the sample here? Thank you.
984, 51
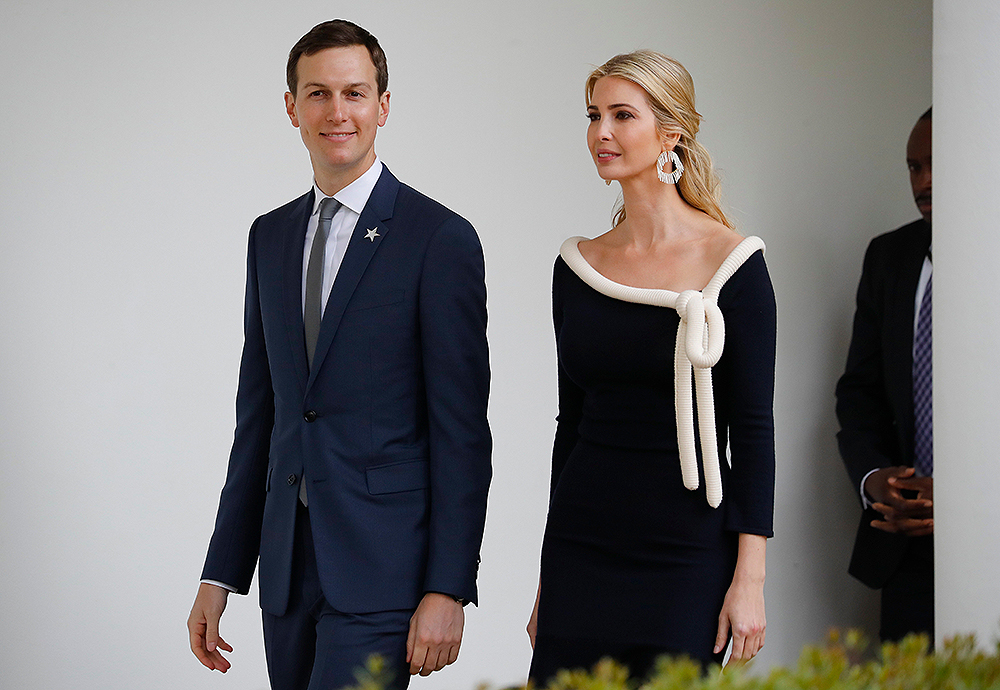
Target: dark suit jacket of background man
389, 426
875, 394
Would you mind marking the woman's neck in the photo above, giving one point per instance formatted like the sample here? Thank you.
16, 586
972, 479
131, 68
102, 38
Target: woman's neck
655, 212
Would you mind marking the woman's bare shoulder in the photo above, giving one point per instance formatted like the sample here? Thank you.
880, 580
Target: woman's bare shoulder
596, 248
720, 242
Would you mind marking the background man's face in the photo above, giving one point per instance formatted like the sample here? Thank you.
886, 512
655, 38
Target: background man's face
338, 110
918, 160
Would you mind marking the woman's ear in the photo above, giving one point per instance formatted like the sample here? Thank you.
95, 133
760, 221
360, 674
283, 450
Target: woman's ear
669, 140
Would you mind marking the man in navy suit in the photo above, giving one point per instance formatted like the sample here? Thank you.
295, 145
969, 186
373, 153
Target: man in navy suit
886, 440
361, 461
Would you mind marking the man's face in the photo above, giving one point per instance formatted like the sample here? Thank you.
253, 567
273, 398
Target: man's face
337, 109
918, 160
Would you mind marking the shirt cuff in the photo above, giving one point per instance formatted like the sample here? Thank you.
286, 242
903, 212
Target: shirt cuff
459, 600
228, 588
864, 497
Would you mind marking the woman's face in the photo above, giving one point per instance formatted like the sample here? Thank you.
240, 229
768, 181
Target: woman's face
622, 137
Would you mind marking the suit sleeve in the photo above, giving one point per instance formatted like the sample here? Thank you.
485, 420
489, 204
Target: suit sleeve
457, 380
235, 545
867, 437
570, 395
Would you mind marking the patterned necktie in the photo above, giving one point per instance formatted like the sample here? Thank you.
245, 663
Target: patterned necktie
923, 390
312, 315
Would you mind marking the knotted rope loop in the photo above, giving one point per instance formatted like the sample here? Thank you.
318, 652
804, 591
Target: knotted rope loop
705, 328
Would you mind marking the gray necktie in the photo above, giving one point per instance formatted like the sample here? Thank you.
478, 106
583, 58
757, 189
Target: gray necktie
313, 313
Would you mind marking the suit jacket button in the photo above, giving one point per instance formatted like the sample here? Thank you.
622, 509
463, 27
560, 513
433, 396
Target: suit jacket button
291, 479
310, 416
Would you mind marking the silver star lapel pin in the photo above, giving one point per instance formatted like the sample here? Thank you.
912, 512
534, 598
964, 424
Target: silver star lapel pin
371, 234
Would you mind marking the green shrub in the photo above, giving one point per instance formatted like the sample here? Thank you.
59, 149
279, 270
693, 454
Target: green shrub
843, 663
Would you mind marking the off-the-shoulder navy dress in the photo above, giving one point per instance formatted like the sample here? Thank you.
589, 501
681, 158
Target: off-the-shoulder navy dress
634, 565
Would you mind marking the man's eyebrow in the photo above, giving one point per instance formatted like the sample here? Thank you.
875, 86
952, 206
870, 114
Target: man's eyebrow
347, 87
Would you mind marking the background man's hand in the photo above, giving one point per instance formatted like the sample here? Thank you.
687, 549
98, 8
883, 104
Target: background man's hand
435, 634
913, 516
203, 627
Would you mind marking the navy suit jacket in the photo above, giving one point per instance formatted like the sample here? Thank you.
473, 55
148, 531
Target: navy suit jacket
875, 394
389, 426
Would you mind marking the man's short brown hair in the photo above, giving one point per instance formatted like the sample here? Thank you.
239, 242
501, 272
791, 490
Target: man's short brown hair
337, 33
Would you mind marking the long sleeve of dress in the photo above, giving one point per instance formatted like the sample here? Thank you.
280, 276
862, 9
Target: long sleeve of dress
570, 395
745, 375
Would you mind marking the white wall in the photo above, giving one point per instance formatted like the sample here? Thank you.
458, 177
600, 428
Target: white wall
139, 140
966, 329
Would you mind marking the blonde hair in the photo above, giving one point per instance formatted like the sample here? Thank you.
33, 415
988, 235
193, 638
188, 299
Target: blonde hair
670, 94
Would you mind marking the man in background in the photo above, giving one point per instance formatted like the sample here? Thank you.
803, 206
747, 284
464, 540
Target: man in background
361, 462
884, 404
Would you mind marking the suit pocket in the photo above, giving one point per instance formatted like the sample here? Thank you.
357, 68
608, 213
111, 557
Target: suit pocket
408, 475
370, 300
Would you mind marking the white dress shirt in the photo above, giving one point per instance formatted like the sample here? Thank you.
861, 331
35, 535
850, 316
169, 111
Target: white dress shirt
352, 200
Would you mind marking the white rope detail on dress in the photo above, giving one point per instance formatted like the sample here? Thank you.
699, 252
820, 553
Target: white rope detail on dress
701, 336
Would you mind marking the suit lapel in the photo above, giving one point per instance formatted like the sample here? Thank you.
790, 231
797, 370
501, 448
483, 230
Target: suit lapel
360, 250
291, 279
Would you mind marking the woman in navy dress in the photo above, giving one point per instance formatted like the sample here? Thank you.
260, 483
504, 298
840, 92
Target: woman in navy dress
662, 484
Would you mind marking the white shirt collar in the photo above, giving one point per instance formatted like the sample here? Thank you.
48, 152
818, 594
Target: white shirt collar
355, 195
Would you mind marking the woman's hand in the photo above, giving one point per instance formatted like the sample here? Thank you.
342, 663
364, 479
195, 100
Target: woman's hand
533, 621
743, 609
743, 613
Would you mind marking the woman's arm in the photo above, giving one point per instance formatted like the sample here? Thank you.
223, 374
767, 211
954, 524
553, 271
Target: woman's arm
744, 396
533, 620
750, 342
568, 420
570, 395
743, 609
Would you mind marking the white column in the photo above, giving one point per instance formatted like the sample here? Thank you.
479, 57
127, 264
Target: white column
967, 317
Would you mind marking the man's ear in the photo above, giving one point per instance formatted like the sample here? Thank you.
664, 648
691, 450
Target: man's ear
290, 108
383, 108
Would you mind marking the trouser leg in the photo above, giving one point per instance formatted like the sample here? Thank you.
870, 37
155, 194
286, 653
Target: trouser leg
346, 641
908, 596
315, 647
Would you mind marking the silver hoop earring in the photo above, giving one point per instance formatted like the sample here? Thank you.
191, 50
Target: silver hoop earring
661, 162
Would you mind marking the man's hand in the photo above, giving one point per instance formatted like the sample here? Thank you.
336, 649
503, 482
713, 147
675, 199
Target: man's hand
435, 634
203, 627
913, 516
